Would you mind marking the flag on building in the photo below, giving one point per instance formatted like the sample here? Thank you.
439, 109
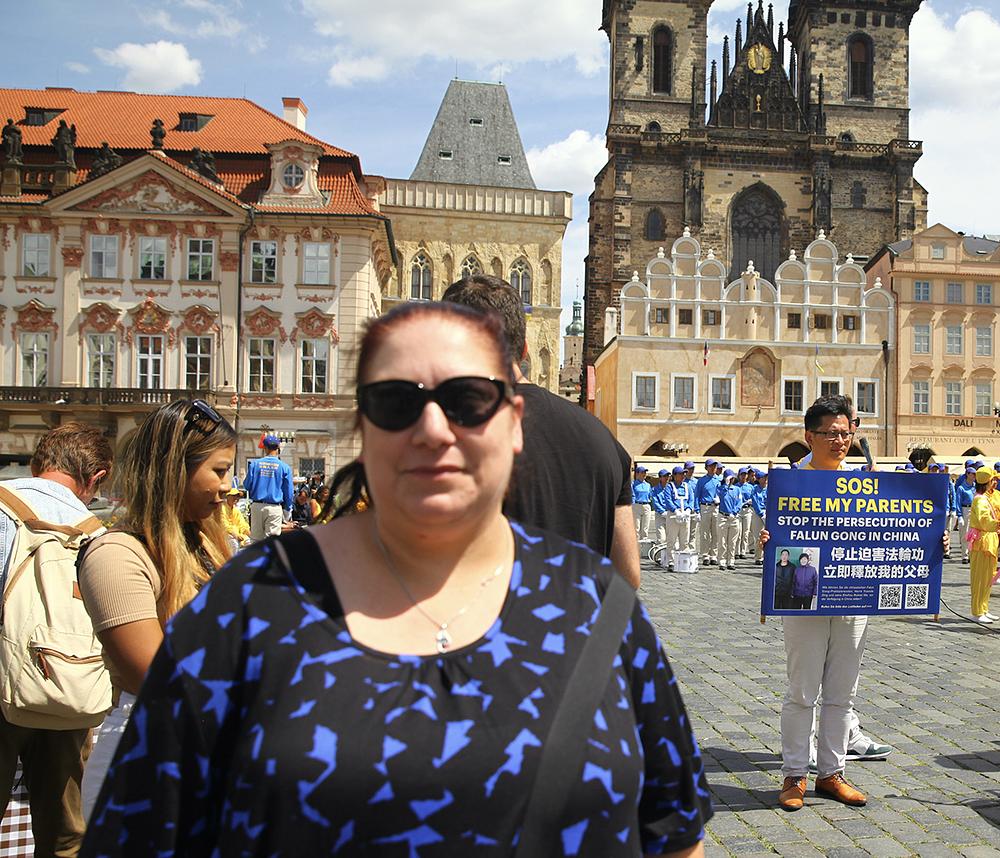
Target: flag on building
816, 360
706, 352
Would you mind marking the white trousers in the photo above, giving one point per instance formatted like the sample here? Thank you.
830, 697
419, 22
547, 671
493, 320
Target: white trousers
694, 523
730, 531
708, 532
744, 547
820, 652
105, 744
963, 528
265, 520
642, 513
676, 533
756, 526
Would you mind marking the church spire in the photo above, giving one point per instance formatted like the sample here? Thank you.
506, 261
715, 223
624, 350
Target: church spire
781, 43
749, 20
770, 20
715, 83
725, 61
738, 44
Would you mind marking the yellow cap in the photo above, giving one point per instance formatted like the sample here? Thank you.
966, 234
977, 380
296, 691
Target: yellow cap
232, 492
984, 475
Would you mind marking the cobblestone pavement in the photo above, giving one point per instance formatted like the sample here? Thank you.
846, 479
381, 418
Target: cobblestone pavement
932, 690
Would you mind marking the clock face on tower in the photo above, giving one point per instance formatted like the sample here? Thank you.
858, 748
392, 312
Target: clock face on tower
759, 58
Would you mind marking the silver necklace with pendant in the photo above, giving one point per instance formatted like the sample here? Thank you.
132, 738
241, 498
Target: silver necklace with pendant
443, 639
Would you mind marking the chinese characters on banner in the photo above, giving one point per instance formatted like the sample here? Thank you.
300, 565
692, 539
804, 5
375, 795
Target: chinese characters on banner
845, 542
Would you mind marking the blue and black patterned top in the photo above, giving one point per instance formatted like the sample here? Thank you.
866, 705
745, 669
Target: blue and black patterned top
264, 729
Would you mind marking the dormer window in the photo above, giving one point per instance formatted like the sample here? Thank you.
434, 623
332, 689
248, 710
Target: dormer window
293, 176
476, 122
445, 154
193, 121
504, 160
41, 115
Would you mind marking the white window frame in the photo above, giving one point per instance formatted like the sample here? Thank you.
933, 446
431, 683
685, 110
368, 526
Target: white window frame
157, 247
947, 292
918, 332
949, 331
257, 249
105, 270
937, 251
661, 315
857, 398
988, 289
259, 387
732, 394
36, 246
28, 358
656, 391
918, 291
149, 365
312, 361
949, 385
316, 263
987, 409
674, 378
805, 393
984, 344
96, 349
926, 406
200, 254
823, 378
199, 356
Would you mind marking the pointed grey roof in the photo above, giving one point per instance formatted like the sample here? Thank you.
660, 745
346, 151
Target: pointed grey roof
475, 140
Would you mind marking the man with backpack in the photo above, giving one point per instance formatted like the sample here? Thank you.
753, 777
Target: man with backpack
53, 684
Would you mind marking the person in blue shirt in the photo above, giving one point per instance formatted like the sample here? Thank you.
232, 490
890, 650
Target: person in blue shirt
659, 506
965, 491
268, 484
689, 481
642, 510
677, 502
758, 505
706, 505
730, 505
743, 481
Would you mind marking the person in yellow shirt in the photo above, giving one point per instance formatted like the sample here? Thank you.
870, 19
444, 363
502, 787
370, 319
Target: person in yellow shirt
984, 519
234, 521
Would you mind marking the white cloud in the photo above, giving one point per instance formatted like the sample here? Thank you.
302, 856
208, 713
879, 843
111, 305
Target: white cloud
204, 19
153, 67
569, 164
79, 68
372, 38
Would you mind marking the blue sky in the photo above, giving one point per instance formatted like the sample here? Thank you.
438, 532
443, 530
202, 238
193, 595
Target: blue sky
373, 74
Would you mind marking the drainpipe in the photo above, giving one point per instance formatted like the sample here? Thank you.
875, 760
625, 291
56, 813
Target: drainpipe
885, 396
239, 321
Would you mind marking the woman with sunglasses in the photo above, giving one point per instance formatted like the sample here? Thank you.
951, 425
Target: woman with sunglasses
174, 477
384, 684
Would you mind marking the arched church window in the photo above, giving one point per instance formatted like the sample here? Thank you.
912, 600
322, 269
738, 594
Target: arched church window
858, 195
662, 50
860, 57
520, 279
654, 127
756, 224
421, 281
654, 226
471, 266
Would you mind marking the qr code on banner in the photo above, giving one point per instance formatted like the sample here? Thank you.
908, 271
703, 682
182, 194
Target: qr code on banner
917, 596
890, 597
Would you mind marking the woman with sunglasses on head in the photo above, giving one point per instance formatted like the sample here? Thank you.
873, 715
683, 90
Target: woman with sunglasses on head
386, 684
174, 476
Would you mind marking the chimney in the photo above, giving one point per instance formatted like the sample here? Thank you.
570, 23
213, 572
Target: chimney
295, 112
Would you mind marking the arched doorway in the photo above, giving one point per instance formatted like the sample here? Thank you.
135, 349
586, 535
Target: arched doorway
720, 448
794, 451
973, 451
756, 223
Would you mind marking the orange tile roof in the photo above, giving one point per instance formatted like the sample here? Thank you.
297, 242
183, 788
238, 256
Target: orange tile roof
123, 119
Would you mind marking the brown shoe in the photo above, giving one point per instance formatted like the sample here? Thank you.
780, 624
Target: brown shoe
793, 793
837, 788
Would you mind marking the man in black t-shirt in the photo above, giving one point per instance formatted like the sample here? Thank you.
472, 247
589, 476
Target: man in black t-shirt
572, 477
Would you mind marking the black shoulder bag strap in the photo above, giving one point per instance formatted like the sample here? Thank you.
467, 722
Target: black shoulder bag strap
562, 754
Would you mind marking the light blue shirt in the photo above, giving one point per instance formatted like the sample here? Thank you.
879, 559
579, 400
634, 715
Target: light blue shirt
730, 499
269, 480
51, 501
641, 491
706, 491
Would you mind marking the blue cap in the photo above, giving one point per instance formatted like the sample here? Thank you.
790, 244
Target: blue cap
970, 470
726, 474
761, 475
932, 467
900, 467
969, 463
996, 467
979, 463
710, 462
794, 466
640, 468
665, 473
678, 469
743, 471
271, 441
909, 467
689, 466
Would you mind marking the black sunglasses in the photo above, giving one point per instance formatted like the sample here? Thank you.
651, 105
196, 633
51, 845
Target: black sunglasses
201, 410
467, 400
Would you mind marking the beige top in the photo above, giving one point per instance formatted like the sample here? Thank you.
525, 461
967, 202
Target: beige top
119, 584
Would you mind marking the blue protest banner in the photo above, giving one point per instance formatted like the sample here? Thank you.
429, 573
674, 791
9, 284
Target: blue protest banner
848, 543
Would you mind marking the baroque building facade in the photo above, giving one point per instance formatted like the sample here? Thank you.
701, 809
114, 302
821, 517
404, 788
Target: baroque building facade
805, 128
701, 364
157, 247
946, 286
471, 206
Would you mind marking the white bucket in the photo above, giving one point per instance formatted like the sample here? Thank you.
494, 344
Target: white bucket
686, 561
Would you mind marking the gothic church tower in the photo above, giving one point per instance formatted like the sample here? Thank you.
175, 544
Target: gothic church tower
790, 131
